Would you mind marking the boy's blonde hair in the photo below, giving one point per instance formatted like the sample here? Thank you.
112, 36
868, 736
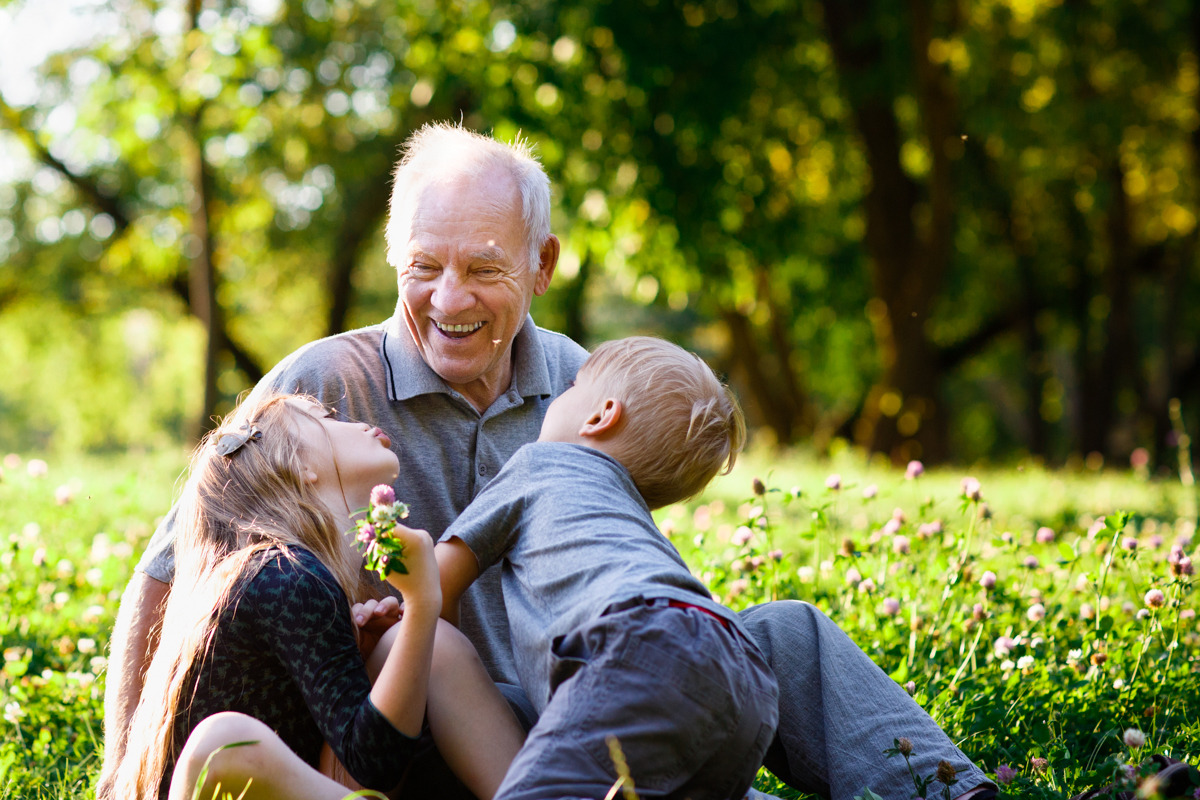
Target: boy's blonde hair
682, 426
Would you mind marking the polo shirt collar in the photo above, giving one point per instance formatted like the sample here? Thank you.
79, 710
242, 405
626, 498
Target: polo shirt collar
409, 376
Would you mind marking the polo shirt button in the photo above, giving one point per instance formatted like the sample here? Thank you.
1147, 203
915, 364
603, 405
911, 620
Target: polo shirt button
483, 469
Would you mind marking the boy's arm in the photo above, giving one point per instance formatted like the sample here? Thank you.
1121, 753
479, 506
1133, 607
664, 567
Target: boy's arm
458, 569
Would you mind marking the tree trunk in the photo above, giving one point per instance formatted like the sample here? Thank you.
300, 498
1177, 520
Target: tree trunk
908, 241
359, 222
202, 274
798, 409
764, 402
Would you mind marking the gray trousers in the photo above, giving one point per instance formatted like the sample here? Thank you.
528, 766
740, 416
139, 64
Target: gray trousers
838, 712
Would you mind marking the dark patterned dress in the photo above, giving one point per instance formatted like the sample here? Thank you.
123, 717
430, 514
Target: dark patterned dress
284, 653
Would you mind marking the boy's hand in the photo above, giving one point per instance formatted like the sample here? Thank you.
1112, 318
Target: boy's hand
421, 587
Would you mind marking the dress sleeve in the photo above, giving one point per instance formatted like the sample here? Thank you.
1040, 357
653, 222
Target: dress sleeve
304, 619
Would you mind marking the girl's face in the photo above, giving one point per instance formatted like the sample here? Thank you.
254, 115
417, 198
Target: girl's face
347, 458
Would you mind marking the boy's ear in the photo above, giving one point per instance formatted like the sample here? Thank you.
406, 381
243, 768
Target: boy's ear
605, 419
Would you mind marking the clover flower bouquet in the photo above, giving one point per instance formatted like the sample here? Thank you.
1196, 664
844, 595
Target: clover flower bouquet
384, 553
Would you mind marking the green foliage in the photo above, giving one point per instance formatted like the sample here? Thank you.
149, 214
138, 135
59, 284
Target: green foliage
713, 164
69, 541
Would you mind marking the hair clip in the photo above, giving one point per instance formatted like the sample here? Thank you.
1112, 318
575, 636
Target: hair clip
230, 443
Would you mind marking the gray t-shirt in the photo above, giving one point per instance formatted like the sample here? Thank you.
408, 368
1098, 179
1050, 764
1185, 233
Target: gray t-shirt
573, 536
448, 451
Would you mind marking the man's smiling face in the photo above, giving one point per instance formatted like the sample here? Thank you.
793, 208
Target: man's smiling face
465, 285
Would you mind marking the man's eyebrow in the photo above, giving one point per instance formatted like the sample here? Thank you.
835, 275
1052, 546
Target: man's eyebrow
418, 252
494, 253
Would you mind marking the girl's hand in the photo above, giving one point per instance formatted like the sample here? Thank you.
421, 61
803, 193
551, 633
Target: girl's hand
374, 617
421, 587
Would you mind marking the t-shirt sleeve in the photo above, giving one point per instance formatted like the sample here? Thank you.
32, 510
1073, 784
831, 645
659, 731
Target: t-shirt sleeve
305, 621
490, 524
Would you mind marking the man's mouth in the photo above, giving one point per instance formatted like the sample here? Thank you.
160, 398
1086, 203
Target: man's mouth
458, 331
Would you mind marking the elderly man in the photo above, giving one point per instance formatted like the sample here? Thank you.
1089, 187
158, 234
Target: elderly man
460, 377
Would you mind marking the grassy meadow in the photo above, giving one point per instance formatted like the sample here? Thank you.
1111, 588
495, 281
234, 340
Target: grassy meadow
1028, 615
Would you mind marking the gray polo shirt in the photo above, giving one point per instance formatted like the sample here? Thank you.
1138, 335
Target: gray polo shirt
448, 451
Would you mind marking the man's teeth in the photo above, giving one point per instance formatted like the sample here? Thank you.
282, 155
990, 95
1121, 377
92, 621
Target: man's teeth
474, 326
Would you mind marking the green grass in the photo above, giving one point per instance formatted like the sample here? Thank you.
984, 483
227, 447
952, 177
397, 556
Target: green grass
1068, 686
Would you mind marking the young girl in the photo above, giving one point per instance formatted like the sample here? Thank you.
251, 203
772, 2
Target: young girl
258, 645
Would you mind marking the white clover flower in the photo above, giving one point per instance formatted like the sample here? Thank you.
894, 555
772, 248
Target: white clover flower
13, 713
1025, 662
1134, 738
86, 646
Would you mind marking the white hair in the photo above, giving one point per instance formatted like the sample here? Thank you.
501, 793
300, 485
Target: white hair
442, 150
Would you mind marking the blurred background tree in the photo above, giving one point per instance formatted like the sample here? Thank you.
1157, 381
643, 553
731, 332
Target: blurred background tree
942, 230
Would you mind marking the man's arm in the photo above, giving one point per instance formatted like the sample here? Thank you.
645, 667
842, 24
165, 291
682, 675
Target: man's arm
134, 639
458, 568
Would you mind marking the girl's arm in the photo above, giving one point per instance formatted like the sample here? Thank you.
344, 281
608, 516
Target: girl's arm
401, 690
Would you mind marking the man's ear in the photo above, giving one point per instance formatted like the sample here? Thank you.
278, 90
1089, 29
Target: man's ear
605, 419
548, 259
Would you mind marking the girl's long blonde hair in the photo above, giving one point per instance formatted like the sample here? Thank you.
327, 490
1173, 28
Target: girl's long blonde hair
232, 508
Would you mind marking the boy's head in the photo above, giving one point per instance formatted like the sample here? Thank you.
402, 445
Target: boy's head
657, 409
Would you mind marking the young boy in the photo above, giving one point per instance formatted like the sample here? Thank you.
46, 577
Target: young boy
621, 650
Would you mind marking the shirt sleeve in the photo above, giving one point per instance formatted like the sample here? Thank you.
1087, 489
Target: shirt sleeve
490, 524
304, 619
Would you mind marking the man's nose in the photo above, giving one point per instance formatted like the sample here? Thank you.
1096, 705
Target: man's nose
453, 294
